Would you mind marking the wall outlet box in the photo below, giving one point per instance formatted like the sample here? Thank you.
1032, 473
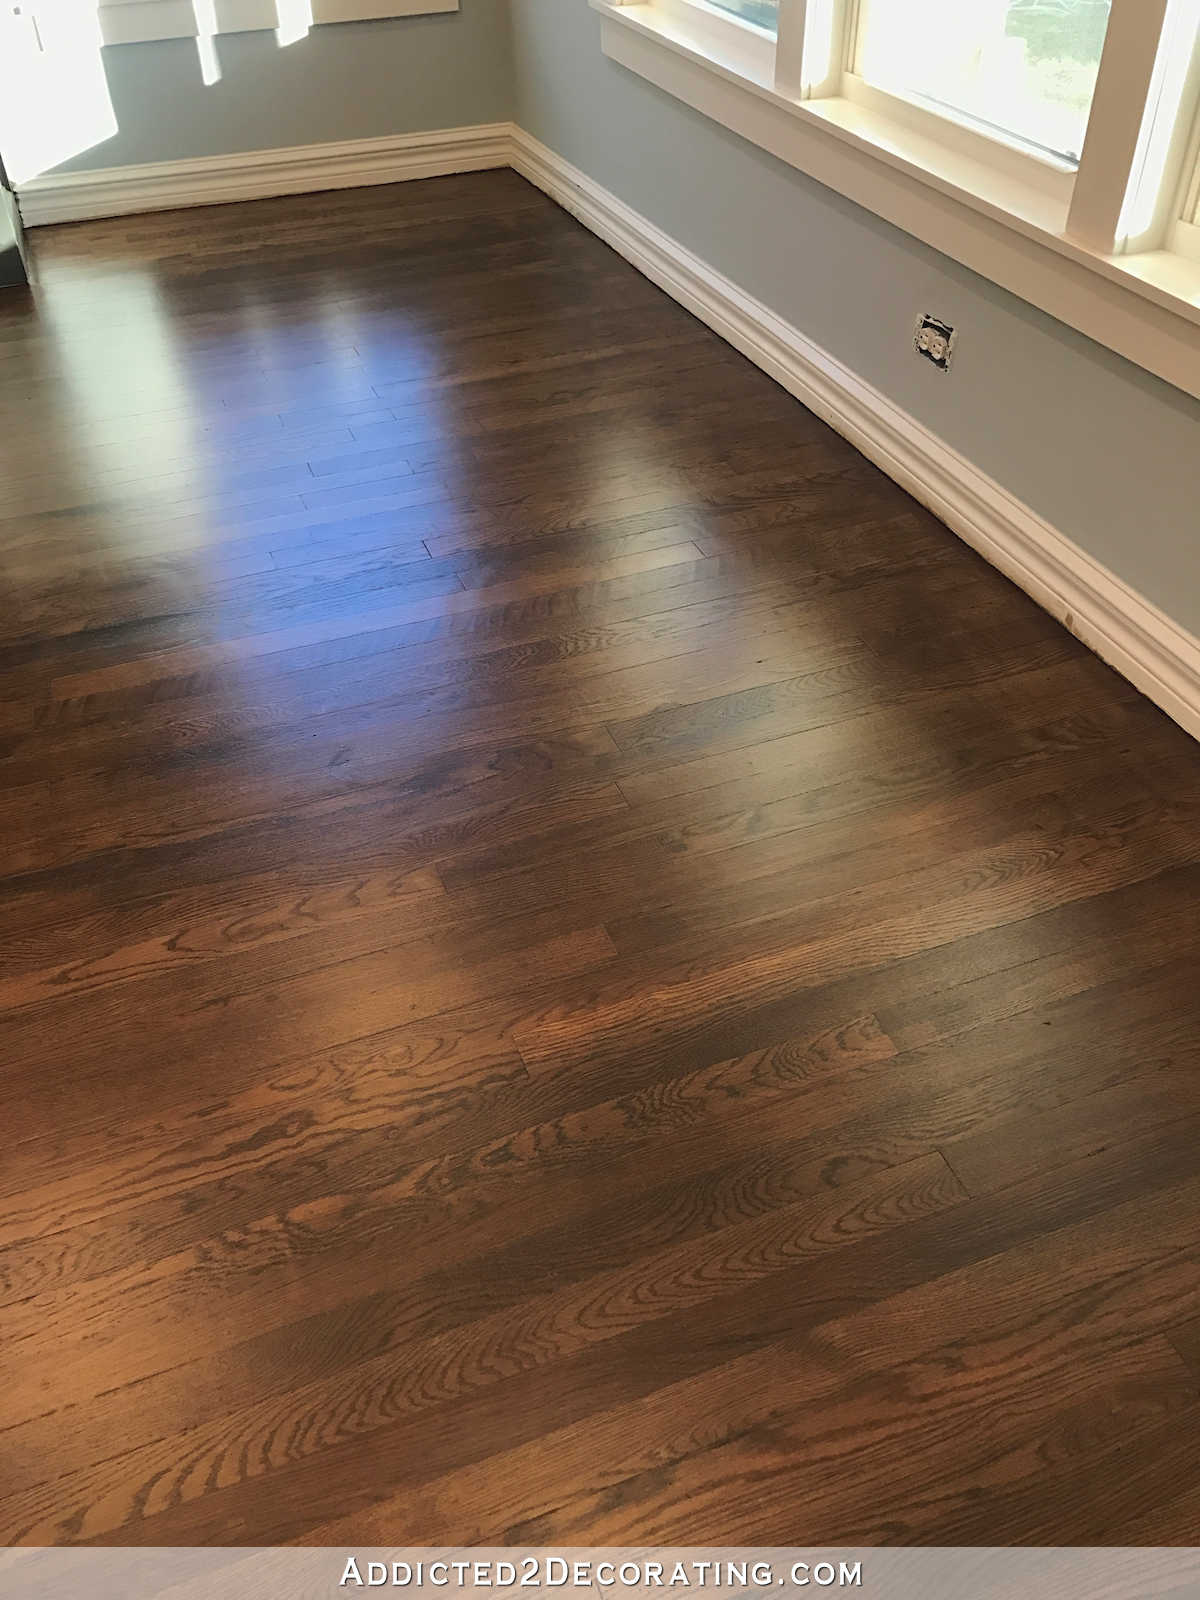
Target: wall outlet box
935, 341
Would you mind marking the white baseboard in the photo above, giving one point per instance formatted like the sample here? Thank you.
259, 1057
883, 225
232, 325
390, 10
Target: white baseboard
1157, 655
256, 174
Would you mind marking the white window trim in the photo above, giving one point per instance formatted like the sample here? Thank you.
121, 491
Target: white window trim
1186, 234
142, 21
982, 210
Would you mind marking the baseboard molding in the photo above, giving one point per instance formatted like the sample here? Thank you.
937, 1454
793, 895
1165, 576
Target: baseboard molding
257, 174
1104, 613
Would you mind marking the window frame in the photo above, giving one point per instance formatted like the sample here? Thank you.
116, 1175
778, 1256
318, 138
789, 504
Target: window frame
750, 50
1185, 229
1097, 192
1191, 203
1098, 246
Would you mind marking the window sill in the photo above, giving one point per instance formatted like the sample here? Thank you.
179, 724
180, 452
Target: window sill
1146, 306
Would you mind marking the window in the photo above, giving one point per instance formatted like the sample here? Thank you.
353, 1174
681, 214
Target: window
1191, 195
1025, 68
1047, 144
762, 13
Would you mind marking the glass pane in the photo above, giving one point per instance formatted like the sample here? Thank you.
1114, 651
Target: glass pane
1026, 67
763, 12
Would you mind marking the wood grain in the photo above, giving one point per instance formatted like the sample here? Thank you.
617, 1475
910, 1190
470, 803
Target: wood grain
572, 966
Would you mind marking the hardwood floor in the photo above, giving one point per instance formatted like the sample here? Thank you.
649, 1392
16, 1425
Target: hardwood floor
575, 968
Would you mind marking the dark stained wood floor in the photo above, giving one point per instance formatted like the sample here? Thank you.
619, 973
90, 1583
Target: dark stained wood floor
574, 967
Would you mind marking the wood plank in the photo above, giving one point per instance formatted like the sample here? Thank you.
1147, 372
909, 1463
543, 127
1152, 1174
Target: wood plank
573, 967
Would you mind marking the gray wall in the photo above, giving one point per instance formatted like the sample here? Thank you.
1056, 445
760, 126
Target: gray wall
353, 80
1108, 454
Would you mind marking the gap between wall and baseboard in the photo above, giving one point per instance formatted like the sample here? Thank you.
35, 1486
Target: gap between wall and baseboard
1158, 656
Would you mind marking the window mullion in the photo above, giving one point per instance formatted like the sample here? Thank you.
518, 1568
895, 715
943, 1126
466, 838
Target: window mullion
789, 48
1168, 172
1125, 89
810, 55
1191, 196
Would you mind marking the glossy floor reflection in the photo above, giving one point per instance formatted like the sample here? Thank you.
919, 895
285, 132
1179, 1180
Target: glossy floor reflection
574, 967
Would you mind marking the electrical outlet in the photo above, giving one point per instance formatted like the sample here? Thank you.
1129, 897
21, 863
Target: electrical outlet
935, 341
